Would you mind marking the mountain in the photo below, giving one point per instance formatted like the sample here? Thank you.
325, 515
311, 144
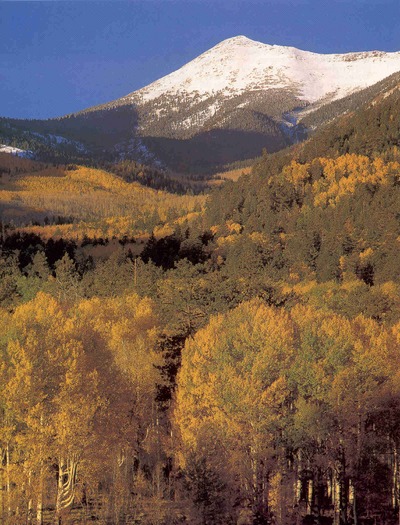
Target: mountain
260, 324
371, 132
240, 64
371, 128
223, 106
242, 68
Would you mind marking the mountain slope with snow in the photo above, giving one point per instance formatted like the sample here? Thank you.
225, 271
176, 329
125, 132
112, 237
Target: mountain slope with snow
245, 86
239, 65
226, 105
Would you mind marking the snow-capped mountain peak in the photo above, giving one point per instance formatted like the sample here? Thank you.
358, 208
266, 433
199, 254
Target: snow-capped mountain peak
240, 64
227, 104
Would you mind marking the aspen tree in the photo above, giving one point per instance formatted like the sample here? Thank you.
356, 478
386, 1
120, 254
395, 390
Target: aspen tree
230, 383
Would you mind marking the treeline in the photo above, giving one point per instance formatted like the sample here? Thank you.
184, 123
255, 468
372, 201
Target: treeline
188, 114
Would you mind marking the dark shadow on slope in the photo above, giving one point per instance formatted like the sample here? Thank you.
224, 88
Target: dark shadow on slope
20, 214
106, 132
90, 134
101, 128
207, 152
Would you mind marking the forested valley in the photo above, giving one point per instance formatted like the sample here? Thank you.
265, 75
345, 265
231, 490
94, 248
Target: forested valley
230, 359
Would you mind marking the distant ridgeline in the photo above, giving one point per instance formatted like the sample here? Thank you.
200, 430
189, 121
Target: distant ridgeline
205, 360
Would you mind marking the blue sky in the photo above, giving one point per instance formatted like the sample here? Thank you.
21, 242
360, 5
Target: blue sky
57, 57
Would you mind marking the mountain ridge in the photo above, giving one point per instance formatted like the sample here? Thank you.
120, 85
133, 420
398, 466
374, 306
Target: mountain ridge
225, 105
243, 53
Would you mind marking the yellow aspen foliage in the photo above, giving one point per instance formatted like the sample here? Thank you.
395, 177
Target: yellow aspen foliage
258, 377
77, 385
230, 376
104, 203
233, 227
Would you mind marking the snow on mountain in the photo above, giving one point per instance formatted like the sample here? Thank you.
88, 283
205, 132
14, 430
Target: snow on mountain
225, 105
239, 64
17, 152
52, 139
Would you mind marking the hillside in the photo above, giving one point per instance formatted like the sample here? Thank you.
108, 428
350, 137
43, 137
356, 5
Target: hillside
372, 128
326, 207
327, 112
265, 329
77, 200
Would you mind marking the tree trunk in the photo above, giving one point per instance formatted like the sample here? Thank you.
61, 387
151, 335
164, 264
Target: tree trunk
355, 508
2, 485
66, 487
260, 485
260, 509
29, 514
395, 477
39, 504
310, 492
343, 487
8, 482
336, 499
319, 493
298, 481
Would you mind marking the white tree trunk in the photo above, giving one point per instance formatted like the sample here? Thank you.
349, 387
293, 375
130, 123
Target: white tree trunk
66, 487
8, 482
39, 504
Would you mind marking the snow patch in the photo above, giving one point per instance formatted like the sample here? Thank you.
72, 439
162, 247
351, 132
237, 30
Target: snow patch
17, 152
58, 139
